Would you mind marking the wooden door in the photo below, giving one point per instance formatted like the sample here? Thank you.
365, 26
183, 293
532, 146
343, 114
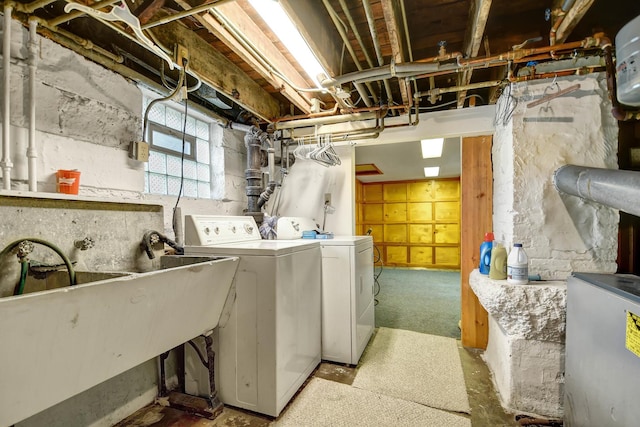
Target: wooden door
477, 211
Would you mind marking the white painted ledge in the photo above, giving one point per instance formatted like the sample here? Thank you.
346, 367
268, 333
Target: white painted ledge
525, 352
536, 311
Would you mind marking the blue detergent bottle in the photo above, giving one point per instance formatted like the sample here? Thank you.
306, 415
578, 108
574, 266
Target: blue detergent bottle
485, 253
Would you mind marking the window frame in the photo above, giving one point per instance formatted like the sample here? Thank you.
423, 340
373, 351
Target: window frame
190, 139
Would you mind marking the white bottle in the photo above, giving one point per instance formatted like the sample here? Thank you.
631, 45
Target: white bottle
517, 266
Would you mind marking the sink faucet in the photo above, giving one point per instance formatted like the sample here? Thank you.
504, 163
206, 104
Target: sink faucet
152, 237
25, 246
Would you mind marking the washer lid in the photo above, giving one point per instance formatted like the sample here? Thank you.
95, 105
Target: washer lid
347, 241
255, 248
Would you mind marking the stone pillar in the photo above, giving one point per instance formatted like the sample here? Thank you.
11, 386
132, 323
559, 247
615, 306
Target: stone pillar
561, 234
526, 342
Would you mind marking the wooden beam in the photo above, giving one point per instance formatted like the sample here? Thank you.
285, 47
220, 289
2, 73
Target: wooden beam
571, 20
316, 27
476, 181
218, 72
234, 13
392, 14
478, 15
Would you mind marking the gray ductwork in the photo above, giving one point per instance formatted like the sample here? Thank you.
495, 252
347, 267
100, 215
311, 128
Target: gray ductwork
619, 189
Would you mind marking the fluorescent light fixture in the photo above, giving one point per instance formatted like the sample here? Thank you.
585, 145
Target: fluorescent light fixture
431, 171
277, 19
432, 148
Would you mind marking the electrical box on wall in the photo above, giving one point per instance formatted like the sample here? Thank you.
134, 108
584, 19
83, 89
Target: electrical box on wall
139, 150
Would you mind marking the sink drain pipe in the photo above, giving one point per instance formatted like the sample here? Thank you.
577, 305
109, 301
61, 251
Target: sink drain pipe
619, 189
257, 142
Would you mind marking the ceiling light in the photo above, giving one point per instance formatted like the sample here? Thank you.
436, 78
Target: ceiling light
432, 148
275, 17
431, 171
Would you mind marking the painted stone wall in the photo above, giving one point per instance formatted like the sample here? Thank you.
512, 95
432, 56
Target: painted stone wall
86, 116
560, 234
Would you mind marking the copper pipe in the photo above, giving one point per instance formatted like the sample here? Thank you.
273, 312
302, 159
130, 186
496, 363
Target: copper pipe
562, 73
479, 85
440, 58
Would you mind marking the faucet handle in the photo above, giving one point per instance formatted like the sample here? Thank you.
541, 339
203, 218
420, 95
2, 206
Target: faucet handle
25, 248
84, 244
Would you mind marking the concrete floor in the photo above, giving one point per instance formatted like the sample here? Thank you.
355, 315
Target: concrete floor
486, 410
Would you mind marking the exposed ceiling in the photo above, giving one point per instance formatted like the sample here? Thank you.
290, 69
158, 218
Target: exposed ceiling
394, 57
403, 161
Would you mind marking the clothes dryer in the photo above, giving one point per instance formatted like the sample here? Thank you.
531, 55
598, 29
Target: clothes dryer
348, 316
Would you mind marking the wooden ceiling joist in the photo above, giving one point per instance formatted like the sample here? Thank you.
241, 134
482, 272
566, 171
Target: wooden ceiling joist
396, 36
572, 18
478, 15
219, 72
250, 30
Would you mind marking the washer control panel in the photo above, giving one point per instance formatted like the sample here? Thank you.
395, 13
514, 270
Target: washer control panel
206, 230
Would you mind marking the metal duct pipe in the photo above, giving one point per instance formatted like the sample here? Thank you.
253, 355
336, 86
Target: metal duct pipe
619, 189
6, 94
343, 118
32, 153
408, 69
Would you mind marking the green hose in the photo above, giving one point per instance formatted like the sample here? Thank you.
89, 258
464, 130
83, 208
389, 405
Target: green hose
67, 262
24, 269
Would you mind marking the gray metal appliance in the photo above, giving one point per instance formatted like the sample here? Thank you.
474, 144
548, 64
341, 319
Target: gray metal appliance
602, 364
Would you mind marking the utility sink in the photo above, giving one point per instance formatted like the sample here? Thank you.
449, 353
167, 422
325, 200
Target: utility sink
60, 342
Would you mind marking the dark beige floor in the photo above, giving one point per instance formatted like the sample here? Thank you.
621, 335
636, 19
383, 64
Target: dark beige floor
486, 410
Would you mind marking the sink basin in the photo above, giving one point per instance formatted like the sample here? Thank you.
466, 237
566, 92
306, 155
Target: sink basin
66, 340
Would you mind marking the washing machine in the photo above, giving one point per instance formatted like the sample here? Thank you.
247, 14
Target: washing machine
268, 341
348, 316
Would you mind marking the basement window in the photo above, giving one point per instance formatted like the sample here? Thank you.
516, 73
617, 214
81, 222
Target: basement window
168, 168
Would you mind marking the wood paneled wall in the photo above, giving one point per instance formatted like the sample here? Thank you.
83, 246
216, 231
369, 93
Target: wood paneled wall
414, 223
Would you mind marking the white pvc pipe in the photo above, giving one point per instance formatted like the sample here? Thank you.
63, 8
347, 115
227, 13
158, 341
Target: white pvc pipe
32, 153
6, 96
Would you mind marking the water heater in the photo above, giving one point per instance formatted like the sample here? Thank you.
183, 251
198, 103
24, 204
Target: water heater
627, 63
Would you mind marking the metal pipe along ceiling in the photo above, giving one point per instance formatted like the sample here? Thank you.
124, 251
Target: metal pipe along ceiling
619, 189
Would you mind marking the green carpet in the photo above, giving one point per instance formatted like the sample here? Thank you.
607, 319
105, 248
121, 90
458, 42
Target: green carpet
426, 301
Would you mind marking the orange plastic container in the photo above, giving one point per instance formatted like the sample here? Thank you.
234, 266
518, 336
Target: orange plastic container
68, 181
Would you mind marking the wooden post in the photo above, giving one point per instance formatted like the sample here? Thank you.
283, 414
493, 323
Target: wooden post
477, 210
